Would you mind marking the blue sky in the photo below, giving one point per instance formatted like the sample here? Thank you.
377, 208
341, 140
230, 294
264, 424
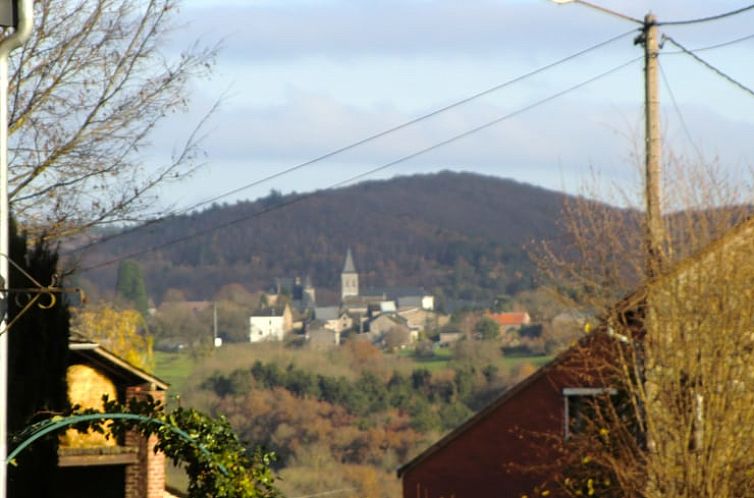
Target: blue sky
299, 78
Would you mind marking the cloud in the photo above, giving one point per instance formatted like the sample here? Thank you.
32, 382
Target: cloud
273, 31
311, 77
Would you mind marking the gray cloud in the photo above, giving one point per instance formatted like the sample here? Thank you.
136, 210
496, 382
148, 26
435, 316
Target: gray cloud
344, 28
267, 41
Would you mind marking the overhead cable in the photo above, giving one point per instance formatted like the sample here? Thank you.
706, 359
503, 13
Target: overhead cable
707, 19
678, 112
710, 66
724, 44
713, 47
360, 176
358, 143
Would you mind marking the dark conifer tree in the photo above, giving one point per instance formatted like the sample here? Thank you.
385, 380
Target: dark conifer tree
38, 359
130, 285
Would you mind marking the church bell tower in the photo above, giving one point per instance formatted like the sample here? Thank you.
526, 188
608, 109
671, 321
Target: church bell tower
349, 278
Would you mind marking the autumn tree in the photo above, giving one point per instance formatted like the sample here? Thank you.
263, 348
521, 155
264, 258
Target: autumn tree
676, 355
120, 331
86, 93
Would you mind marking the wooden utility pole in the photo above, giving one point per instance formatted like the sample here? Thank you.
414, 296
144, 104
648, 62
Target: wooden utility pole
653, 148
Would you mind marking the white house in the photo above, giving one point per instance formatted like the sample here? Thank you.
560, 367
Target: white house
270, 324
266, 328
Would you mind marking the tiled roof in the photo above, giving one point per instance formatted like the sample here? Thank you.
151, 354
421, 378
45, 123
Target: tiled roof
508, 319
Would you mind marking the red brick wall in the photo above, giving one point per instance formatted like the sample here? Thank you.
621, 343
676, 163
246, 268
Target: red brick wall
145, 479
514, 447
487, 460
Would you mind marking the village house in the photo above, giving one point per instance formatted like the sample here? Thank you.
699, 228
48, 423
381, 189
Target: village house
91, 465
322, 338
333, 318
512, 321
382, 325
271, 323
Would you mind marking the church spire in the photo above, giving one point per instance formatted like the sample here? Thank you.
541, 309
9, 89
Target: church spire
349, 278
349, 267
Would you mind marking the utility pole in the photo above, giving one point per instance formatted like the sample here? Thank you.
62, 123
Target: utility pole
16, 23
214, 324
653, 148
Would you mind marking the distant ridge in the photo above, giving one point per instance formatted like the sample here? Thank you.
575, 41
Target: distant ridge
459, 233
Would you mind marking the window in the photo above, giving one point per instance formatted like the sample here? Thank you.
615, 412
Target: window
577, 406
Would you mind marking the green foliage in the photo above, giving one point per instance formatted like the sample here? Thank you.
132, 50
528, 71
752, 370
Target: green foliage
487, 328
216, 461
130, 286
418, 394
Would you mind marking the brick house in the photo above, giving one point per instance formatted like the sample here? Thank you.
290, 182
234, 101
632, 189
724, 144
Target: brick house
498, 453
91, 465
514, 446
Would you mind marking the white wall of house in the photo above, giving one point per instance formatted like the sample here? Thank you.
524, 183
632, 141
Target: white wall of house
266, 328
428, 303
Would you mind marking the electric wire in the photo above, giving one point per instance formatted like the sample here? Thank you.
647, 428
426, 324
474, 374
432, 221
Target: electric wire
707, 19
360, 176
724, 44
358, 143
681, 118
709, 66
713, 47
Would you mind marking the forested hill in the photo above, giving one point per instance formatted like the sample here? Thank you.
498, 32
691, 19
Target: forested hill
459, 232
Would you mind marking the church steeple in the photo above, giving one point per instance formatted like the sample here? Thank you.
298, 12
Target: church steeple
349, 267
349, 278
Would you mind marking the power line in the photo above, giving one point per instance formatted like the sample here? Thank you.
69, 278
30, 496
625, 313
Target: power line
358, 143
684, 126
724, 44
707, 19
710, 66
360, 176
713, 47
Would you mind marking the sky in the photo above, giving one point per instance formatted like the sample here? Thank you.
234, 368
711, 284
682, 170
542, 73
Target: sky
296, 79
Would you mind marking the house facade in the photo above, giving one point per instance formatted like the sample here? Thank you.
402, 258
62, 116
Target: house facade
270, 324
90, 465
514, 446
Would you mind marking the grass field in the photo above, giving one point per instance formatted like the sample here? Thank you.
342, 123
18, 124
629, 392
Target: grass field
174, 368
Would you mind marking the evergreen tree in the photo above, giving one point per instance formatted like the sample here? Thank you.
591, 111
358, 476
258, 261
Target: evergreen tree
130, 286
38, 358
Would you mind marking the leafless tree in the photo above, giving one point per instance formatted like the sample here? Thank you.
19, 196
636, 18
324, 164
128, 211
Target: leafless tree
676, 354
86, 92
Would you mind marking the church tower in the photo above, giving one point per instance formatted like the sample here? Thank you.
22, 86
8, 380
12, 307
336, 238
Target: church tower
349, 279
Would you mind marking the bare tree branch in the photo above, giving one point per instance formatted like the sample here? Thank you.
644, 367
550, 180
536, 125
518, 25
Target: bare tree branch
86, 93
